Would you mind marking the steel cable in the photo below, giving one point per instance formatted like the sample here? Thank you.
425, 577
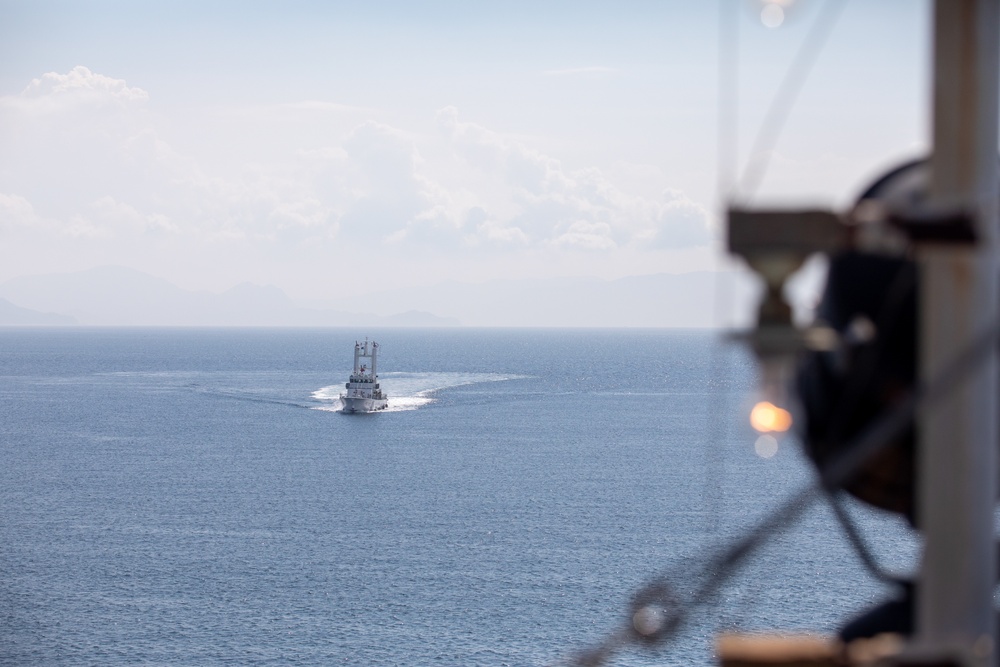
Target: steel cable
658, 612
784, 100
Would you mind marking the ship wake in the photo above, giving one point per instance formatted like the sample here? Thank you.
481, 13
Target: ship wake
410, 391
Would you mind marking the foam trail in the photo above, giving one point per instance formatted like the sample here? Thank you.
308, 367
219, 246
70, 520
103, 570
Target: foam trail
410, 391
241, 396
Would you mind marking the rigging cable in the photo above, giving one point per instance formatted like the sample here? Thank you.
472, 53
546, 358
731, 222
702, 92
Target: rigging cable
726, 153
857, 541
785, 98
889, 315
658, 613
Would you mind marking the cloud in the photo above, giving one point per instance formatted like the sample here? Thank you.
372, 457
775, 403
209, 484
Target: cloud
548, 204
574, 71
86, 159
66, 140
680, 223
78, 87
81, 80
317, 105
84, 154
305, 213
587, 235
384, 154
109, 213
16, 211
392, 199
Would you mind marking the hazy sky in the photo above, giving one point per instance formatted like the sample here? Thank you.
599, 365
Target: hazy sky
322, 146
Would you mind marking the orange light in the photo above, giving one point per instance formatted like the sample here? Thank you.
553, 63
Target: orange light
767, 417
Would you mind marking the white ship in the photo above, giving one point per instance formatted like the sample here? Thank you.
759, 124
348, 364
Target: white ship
363, 392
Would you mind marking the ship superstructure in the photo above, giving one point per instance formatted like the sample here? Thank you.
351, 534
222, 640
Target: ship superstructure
363, 391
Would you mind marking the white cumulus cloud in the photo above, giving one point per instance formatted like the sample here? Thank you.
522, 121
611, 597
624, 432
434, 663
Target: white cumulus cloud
16, 211
83, 158
570, 71
547, 203
81, 81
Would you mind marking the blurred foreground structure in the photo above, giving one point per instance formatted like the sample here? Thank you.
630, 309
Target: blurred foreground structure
951, 232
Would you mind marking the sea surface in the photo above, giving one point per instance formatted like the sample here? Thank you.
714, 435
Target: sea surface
194, 497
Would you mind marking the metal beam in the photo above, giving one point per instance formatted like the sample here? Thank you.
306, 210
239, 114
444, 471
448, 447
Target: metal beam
958, 437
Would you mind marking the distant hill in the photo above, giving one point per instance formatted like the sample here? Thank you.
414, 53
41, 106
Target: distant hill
113, 295
700, 299
11, 315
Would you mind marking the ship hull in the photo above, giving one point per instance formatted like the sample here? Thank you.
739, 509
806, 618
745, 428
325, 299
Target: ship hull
357, 404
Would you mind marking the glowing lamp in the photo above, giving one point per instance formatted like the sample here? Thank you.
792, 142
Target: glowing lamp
774, 244
766, 417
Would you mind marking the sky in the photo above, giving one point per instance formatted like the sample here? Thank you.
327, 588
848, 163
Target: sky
324, 146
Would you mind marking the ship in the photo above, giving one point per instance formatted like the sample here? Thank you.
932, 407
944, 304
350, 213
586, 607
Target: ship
363, 391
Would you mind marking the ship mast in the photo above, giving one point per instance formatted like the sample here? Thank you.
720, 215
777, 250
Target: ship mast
958, 437
363, 351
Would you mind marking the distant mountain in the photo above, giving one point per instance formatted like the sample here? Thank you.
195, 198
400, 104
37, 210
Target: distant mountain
700, 299
113, 295
11, 315
418, 318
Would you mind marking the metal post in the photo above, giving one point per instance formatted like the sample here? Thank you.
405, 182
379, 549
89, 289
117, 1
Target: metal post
959, 299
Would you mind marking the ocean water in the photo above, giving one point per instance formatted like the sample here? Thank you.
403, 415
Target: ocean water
194, 497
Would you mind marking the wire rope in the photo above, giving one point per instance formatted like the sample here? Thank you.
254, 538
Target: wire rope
784, 100
658, 611
726, 151
858, 542
666, 612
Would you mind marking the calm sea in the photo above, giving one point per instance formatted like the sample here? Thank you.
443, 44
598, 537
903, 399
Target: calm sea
192, 497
